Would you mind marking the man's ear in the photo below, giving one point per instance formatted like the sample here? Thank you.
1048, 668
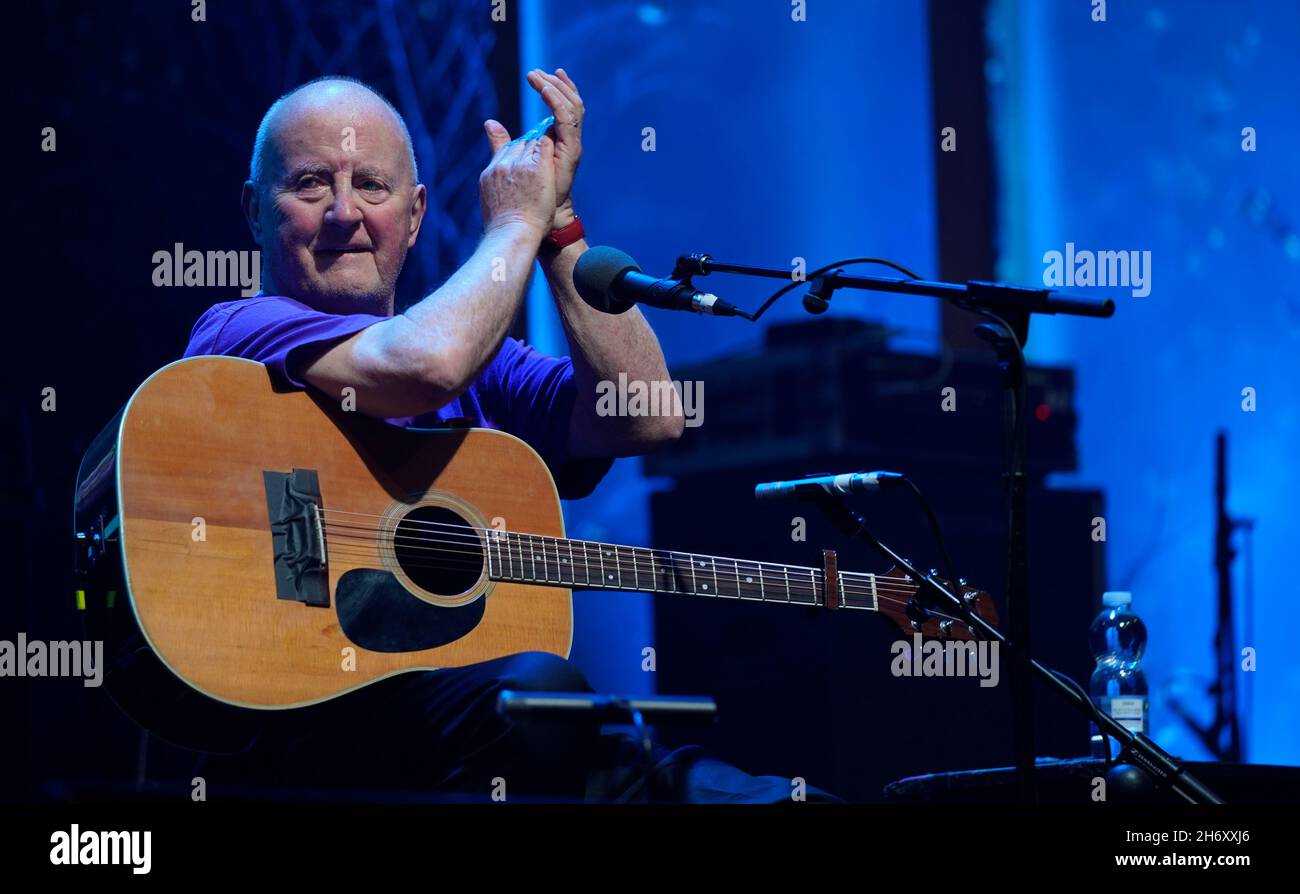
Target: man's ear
252, 205
418, 207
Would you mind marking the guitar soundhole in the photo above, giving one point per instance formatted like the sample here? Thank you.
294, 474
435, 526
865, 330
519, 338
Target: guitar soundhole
439, 551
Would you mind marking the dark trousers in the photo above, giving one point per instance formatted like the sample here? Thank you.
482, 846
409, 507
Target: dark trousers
438, 731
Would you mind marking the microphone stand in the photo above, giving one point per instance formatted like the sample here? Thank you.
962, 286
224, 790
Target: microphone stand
1227, 718
1009, 308
1163, 769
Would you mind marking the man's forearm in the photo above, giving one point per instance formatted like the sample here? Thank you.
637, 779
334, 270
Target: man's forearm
602, 346
465, 320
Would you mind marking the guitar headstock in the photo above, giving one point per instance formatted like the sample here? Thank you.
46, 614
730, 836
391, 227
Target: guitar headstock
902, 606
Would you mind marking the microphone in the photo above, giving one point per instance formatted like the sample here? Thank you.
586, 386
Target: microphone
820, 485
611, 282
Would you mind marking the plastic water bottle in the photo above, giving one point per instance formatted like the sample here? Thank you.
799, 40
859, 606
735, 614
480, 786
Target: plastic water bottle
1118, 638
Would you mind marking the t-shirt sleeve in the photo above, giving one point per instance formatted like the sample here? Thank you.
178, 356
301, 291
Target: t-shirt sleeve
277, 332
533, 395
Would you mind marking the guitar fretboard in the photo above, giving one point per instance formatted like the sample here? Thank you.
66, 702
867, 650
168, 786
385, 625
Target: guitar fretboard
538, 559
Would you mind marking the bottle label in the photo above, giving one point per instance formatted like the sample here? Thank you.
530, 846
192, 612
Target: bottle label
1129, 712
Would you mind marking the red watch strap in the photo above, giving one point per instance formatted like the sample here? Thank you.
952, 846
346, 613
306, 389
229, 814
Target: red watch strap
565, 235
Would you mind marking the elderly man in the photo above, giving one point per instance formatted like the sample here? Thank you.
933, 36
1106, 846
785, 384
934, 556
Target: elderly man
334, 202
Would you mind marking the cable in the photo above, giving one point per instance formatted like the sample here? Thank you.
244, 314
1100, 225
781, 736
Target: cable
1096, 712
825, 269
938, 534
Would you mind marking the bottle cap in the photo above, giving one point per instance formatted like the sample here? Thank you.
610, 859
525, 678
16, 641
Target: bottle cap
1116, 598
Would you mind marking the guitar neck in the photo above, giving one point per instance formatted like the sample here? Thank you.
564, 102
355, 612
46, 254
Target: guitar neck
560, 562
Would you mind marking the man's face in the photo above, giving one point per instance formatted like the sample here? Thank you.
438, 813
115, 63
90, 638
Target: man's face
338, 208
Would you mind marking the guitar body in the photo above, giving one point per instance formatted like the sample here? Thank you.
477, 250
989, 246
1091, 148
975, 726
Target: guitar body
204, 454
243, 551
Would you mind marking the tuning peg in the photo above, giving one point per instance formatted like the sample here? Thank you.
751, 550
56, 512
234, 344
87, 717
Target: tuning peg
934, 572
961, 581
945, 628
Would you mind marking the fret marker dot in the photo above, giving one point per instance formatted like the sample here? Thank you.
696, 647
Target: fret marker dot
611, 577
748, 579
706, 586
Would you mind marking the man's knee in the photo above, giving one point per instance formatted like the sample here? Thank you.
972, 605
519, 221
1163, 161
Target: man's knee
543, 672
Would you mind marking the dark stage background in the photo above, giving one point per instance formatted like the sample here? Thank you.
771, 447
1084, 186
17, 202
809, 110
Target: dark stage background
776, 140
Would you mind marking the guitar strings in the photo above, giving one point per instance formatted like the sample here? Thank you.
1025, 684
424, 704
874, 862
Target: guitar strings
503, 568
815, 601
465, 531
472, 539
471, 555
880, 595
457, 530
604, 585
465, 555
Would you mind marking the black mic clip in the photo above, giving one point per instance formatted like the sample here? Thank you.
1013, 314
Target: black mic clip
695, 264
820, 290
688, 266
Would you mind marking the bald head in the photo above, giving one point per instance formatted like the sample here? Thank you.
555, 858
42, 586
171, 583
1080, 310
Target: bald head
333, 197
332, 93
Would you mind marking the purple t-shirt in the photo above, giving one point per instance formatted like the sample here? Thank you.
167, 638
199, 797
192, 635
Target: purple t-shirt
523, 392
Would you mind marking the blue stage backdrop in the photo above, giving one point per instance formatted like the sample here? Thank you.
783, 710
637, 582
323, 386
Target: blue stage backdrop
773, 139
1129, 134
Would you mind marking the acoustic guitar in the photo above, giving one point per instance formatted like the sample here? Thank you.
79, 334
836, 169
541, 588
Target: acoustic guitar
242, 548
